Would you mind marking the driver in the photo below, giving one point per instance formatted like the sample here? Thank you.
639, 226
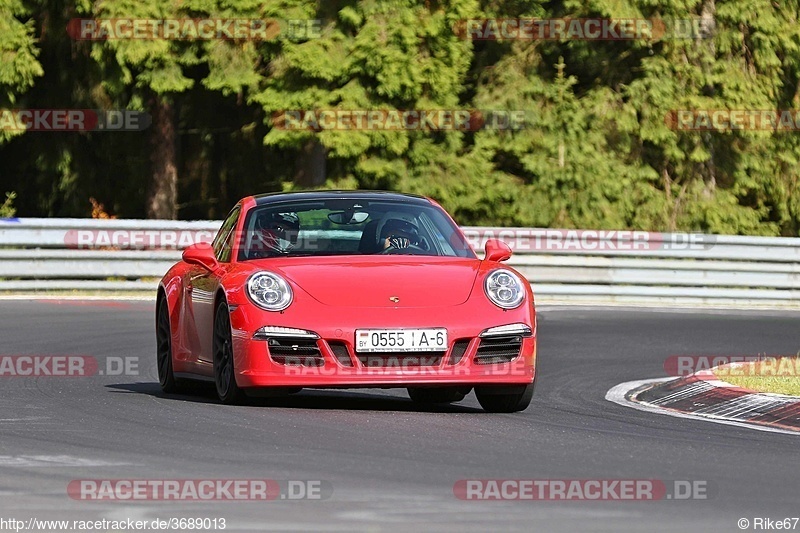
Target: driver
276, 233
398, 234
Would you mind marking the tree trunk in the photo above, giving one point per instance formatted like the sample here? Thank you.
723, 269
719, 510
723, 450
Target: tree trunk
162, 202
310, 169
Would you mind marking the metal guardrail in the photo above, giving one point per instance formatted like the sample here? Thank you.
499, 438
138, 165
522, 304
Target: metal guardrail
41, 255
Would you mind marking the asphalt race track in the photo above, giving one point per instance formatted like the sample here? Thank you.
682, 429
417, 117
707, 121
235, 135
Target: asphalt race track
391, 465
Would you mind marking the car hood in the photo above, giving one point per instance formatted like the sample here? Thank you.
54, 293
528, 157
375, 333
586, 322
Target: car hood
414, 281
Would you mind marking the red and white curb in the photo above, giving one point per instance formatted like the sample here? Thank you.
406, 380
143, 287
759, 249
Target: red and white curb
701, 396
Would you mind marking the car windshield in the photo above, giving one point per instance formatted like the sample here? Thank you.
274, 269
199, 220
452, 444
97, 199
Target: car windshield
350, 227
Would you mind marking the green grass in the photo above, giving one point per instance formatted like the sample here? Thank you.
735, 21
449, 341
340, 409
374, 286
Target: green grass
776, 375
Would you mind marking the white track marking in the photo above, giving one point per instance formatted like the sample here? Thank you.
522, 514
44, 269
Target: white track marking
23, 461
617, 395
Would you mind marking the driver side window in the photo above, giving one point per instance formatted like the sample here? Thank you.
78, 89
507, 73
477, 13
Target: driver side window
223, 242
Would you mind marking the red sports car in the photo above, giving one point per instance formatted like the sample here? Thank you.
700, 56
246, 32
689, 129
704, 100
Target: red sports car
347, 289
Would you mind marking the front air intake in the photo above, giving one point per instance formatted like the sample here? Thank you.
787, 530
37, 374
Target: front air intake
295, 351
494, 350
341, 353
458, 351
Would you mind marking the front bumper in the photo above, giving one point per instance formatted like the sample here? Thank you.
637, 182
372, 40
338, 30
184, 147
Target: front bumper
331, 361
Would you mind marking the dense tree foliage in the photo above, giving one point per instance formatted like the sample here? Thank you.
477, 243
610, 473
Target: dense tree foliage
598, 150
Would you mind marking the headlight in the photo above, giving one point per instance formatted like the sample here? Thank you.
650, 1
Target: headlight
269, 291
504, 288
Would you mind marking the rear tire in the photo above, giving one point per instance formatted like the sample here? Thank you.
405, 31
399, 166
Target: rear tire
434, 395
228, 391
505, 398
166, 376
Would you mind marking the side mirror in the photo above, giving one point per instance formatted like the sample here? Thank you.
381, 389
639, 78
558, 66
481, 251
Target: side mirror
201, 254
497, 250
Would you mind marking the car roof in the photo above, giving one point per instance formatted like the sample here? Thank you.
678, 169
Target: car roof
280, 197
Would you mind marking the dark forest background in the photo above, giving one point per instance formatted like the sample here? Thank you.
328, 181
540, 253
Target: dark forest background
596, 153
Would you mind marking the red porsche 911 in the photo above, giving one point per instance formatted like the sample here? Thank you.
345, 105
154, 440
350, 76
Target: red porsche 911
340, 289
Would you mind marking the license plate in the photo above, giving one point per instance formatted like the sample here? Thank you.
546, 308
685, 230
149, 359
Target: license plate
401, 340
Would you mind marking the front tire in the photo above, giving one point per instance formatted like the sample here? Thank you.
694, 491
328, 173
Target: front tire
228, 391
166, 376
436, 395
504, 399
